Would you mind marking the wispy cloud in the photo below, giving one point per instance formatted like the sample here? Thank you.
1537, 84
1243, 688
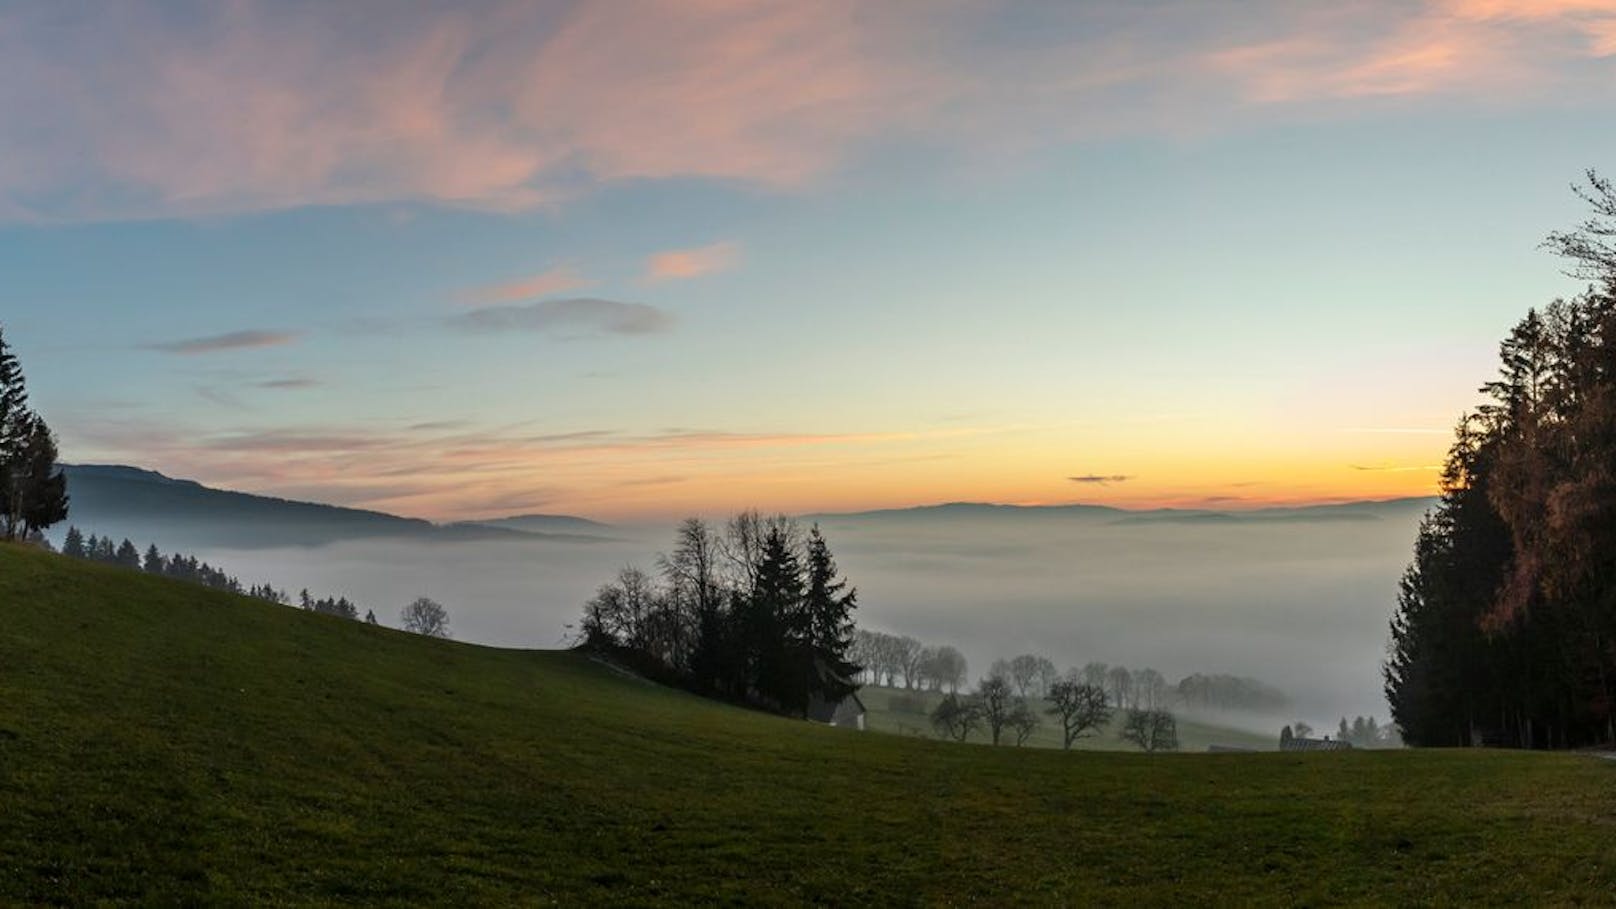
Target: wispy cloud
1395, 468
692, 263
1101, 479
556, 280
128, 110
450, 469
574, 316
288, 384
235, 340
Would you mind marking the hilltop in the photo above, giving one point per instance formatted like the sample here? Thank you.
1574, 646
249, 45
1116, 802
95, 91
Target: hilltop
162, 743
143, 505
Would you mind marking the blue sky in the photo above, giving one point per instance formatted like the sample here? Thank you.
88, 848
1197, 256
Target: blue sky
688, 257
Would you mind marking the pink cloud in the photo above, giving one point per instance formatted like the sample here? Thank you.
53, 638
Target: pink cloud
551, 281
1490, 50
134, 110
692, 263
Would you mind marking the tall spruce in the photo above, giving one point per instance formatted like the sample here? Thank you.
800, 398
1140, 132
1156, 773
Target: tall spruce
828, 606
774, 627
33, 490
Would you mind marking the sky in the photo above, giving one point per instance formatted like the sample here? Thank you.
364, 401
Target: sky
632, 260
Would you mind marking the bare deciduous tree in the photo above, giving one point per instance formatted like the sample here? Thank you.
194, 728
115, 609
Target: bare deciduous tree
426, 616
1082, 708
956, 717
908, 660
1119, 684
1151, 730
1023, 721
994, 696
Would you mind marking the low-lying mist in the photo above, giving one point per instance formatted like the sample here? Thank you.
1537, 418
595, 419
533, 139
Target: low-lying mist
1299, 604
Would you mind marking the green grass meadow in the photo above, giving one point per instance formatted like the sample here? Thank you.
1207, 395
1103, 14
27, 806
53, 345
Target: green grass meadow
164, 744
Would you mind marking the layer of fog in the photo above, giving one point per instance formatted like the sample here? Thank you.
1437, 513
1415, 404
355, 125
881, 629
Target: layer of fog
1303, 606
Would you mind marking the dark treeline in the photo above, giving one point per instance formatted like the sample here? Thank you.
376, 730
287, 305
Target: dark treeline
178, 566
189, 568
755, 613
900, 661
33, 489
1505, 628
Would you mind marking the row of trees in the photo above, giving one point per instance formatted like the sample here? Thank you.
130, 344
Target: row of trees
1505, 627
1362, 732
33, 489
889, 659
754, 612
1004, 710
898, 661
423, 616
177, 566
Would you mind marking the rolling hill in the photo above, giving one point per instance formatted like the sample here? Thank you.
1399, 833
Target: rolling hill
164, 744
147, 506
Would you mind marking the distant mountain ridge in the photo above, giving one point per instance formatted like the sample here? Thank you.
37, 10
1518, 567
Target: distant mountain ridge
1367, 510
543, 523
147, 506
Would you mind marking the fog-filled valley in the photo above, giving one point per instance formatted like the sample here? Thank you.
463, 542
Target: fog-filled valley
1297, 598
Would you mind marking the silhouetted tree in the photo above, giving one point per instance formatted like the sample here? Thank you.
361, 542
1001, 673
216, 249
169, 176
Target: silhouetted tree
829, 604
1023, 721
128, 556
956, 717
33, 489
1150, 730
73, 543
995, 696
1081, 707
425, 616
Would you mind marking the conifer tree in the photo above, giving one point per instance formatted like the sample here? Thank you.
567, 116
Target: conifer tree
14, 411
774, 627
41, 494
828, 611
128, 556
73, 543
33, 492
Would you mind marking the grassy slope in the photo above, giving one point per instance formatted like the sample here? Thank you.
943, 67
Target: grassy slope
163, 743
900, 712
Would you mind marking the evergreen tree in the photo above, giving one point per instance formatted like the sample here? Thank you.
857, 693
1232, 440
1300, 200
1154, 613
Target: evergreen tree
775, 632
14, 413
33, 492
41, 494
828, 607
128, 556
154, 560
370, 617
73, 543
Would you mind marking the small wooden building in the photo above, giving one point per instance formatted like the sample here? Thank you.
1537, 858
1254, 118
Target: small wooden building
848, 713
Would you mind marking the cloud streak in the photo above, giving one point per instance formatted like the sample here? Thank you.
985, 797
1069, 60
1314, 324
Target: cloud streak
574, 317
692, 263
1095, 479
552, 281
235, 340
139, 109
